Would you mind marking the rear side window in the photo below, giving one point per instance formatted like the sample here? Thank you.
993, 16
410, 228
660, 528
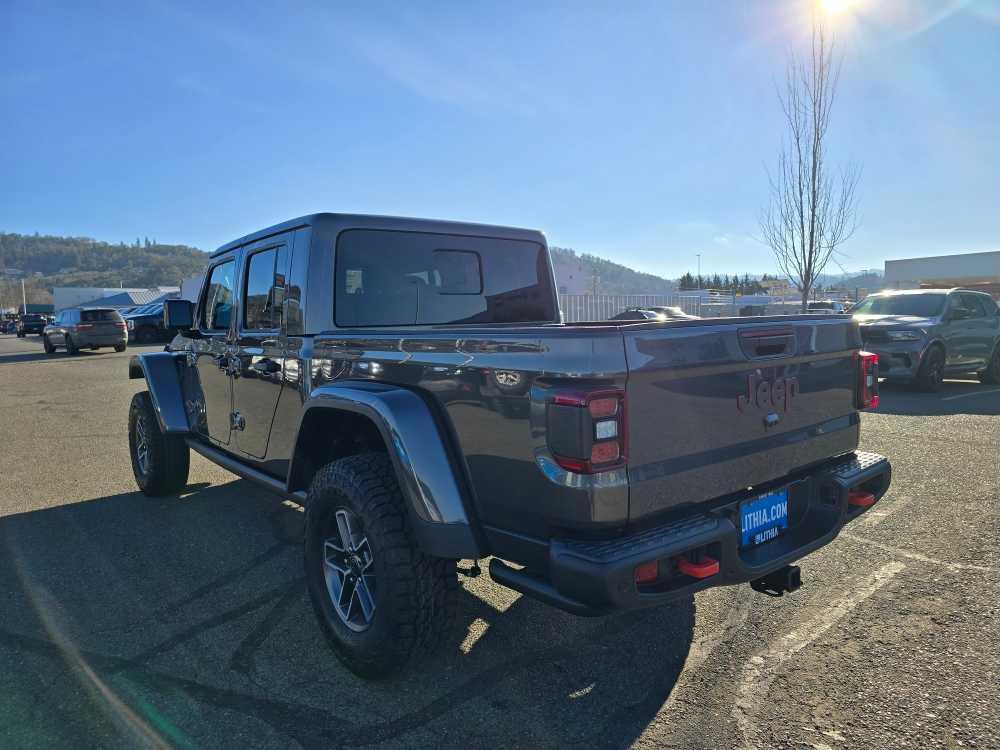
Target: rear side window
386, 278
979, 304
99, 316
264, 290
217, 305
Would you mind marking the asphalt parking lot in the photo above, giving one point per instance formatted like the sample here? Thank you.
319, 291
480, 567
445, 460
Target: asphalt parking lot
184, 622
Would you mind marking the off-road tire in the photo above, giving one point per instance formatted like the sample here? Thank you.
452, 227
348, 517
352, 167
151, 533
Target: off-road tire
47, 345
120, 347
931, 371
416, 597
71, 348
168, 456
991, 375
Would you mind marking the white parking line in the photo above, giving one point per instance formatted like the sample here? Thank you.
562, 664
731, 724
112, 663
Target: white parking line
883, 509
953, 566
760, 670
972, 393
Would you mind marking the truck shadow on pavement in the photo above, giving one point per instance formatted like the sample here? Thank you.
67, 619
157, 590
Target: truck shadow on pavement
188, 618
955, 397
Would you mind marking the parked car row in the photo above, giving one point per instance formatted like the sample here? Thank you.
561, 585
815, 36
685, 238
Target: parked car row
920, 335
93, 328
653, 313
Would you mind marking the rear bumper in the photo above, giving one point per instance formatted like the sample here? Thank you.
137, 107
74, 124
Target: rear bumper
588, 577
84, 340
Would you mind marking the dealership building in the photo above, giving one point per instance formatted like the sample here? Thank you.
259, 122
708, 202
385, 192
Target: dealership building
970, 270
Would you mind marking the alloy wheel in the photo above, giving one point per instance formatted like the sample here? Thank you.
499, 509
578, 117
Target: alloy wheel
141, 445
347, 568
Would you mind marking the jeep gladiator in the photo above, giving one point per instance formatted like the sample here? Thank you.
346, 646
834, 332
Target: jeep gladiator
410, 384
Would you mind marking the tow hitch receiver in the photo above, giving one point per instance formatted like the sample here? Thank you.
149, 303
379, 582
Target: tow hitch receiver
788, 578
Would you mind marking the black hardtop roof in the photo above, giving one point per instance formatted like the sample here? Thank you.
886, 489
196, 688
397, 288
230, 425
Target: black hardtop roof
338, 222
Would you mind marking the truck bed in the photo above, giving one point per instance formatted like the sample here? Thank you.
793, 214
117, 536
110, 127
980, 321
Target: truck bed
690, 438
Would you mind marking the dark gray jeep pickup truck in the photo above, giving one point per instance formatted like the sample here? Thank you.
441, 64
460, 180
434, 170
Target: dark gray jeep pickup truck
410, 384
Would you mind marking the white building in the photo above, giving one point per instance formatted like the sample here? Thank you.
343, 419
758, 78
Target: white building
963, 269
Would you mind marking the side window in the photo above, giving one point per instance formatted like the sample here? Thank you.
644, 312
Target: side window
262, 293
972, 303
217, 304
987, 307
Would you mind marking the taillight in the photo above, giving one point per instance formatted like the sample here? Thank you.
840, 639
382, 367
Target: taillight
587, 430
120, 325
867, 392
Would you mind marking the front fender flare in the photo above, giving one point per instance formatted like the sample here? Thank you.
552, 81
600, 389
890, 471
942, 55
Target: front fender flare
429, 479
164, 383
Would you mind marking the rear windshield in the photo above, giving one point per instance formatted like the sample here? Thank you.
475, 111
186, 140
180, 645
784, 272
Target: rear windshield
32, 318
98, 316
386, 278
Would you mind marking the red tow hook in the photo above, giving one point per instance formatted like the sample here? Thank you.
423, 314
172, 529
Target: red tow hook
860, 499
704, 568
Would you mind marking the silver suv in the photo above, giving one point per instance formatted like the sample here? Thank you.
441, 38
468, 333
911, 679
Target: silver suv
922, 335
86, 329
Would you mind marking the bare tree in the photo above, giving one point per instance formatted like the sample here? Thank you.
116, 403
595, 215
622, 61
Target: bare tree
811, 212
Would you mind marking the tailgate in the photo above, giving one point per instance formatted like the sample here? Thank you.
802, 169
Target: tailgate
100, 323
715, 407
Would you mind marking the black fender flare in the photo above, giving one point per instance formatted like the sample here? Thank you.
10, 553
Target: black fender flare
431, 483
164, 383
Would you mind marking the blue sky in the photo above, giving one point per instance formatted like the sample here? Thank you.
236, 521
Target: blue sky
638, 135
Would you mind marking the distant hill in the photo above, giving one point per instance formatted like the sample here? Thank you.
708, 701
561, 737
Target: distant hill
871, 280
47, 261
612, 278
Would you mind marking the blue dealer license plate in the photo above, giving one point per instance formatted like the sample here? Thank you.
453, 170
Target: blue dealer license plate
764, 517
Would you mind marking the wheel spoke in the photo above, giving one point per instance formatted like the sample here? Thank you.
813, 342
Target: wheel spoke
333, 543
334, 561
344, 527
335, 584
362, 550
365, 599
346, 599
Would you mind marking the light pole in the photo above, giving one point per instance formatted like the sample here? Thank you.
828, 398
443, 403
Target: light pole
699, 269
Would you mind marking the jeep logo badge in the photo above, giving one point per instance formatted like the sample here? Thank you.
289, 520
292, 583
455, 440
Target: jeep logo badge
768, 394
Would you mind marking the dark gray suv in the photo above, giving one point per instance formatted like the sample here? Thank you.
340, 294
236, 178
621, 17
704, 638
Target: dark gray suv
86, 329
921, 335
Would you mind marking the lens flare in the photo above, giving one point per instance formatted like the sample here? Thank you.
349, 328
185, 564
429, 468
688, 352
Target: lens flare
837, 7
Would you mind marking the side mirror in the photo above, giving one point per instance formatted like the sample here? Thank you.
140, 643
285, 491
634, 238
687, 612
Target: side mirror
178, 314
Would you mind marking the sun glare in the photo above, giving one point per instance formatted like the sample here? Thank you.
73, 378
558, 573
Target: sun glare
836, 7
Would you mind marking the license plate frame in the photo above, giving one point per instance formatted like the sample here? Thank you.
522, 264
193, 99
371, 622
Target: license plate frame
763, 517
